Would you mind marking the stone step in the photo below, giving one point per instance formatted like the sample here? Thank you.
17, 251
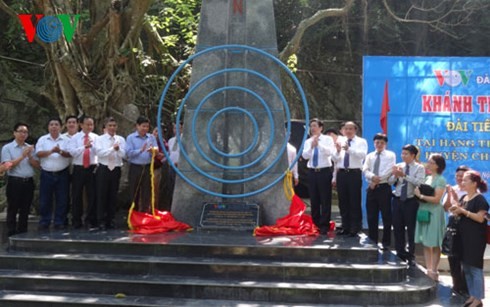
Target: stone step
199, 244
415, 290
49, 299
207, 267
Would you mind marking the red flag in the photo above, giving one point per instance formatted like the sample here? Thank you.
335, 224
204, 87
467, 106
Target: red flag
385, 108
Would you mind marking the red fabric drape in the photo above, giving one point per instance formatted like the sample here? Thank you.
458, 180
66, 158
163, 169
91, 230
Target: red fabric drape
295, 223
162, 221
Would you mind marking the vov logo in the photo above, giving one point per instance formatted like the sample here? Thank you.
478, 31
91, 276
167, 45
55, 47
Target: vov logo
453, 78
49, 28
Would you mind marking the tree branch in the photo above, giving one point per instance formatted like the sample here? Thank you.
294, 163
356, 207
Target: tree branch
433, 23
138, 10
293, 45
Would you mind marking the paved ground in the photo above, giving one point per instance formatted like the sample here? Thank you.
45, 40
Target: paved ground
445, 298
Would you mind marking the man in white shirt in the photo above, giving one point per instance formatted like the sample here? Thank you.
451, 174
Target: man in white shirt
318, 151
174, 154
71, 125
110, 149
20, 186
173, 146
81, 148
377, 169
51, 149
349, 155
291, 156
406, 176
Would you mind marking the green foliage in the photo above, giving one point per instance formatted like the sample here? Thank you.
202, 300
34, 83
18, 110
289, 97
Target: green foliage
176, 22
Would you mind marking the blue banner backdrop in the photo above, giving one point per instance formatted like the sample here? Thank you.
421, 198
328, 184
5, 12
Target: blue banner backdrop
440, 104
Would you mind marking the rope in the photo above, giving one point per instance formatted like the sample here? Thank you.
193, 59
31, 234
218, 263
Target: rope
152, 177
288, 185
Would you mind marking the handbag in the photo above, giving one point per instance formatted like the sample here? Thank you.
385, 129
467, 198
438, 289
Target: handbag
423, 216
427, 190
449, 242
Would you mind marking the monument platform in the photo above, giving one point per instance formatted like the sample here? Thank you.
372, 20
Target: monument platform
118, 268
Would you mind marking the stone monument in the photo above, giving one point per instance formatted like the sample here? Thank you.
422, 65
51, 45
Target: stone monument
233, 140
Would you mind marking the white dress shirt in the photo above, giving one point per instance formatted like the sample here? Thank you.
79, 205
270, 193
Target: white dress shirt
357, 152
54, 162
415, 177
325, 150
174, 150
76, 147
104, 149
386, 163
291, 156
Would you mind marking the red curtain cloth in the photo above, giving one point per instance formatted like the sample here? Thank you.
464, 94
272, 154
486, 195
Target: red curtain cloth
295, 223
162, 221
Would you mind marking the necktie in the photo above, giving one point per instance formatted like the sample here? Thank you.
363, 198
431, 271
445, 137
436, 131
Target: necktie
376, 164
111, 163
86, 152
346, 156
403, 194
315, 157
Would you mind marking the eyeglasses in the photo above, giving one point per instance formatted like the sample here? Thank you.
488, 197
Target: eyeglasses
22, 131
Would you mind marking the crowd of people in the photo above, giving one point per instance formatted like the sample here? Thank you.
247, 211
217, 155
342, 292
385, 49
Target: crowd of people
80, 172
410, 197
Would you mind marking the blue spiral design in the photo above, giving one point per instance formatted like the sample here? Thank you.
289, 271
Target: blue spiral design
49, 29
276, 89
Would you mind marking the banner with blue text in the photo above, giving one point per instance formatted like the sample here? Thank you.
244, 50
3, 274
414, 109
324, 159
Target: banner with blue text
440, 104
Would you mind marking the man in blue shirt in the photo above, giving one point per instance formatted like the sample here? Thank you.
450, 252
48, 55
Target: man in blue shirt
139, 147
20, 186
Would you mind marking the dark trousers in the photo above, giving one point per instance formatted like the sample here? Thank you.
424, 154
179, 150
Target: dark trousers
455, 264
53, 183
405, 216
83, 178
320, 189
107, 186
379, 200
20, 192
140, 186
349, 185
457, 274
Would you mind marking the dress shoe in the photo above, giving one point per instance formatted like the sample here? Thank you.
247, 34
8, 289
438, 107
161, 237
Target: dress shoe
342, 232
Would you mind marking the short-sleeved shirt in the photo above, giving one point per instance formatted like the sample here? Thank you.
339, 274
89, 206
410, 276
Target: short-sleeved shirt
473, 234
54, 162
12, 151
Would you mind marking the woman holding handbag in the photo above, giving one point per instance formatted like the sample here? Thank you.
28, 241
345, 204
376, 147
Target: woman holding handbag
472, 229
429, 230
